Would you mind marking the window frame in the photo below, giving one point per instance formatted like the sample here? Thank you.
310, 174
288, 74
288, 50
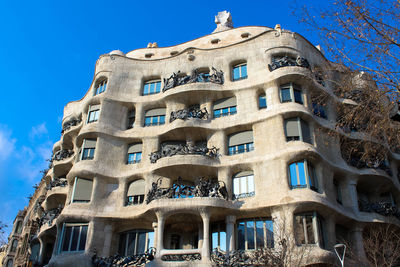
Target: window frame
160, 120
157, 87
135, 155
136, 232
218, 228
264, 98
268, 242
96, 113
239, 68
293, 88
74, 189
300, 128
78, 245
91, 150
100, 86
248, 182
310, 178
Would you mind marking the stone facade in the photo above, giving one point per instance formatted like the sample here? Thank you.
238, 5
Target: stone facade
138, 166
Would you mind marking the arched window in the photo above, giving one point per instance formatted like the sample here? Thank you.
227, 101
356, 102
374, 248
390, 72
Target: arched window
100, 86
131, 118
262, 101
14, 245
135, 194
243, 184
240, 142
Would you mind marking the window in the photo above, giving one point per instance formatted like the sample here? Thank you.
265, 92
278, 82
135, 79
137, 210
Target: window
14, 245
94, 112
82, 191
18, 228
243, 185
297, 130
255, 234
152, 87
218, 236
387, 197
88, 149
100, 87
224, 107
240, 142
135, 242
302, 175
10, 263
338, 192
73, 237
131, 118
239, 72
134, 153
308, 229
154, 117
135, 194
291, 93
262, 101
319, 110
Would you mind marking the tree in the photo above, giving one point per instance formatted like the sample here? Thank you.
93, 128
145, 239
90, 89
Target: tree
2, 232
362, 39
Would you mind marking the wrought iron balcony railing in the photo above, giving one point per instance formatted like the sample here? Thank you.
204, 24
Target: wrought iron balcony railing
188, 113
382, 208
169, 150
288, 61
70, 123
123, 261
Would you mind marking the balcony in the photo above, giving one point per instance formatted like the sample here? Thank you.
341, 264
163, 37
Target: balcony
193, 112
196, 77
288, 61
117, 260
69, 124
382, 208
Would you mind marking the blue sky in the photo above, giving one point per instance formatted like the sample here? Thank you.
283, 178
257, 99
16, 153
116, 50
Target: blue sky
49, 50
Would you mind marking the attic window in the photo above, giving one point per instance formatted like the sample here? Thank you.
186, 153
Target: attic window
148, 55
173, 53
245, 35
215, 41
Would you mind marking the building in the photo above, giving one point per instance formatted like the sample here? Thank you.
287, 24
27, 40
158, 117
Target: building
213, 143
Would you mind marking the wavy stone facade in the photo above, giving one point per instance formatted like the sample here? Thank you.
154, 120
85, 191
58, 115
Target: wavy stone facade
213, 143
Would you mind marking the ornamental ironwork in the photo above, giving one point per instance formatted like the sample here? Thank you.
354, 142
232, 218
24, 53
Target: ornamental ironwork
62, 182
202, 188
124, 261
181, 257
70, 123
236, 258
382, 208
49, 216
188, 113
62, 154
169, 150
196, 77
288, 61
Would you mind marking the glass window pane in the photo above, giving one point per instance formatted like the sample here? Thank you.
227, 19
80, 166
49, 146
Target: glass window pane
270, 233
250, 235
231, 150
75, 235
67, 237
152, 88
162, 119
122, 244
244, 71
293, 175
146, 89
310, 230
131, 244
222, 240
138, 156
225, 111
243, 185
262, 102
158, 87
141, 247
250, 182
285, 95
302, 174
96, 115
297, 96
240, 233
82, 241
233, 110
260, 234
217, 113
236, 186
150, 241
299, 230
154, 120
236, 74
147, 121
214, 240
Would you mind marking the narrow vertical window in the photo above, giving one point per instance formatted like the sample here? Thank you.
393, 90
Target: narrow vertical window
239, 72
338, 192
262, 101
131, 118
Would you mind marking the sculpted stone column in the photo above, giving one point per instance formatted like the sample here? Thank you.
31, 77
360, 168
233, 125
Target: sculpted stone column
108, 231
41, 251
160, 233
330, 232
205, 253
230, 232
155, 229
357, 238
350, 198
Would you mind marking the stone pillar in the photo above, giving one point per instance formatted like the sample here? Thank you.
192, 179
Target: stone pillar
330, 232
139, 115
349, 196
41, 251
155, 229
108, 231
160, 233
205, 252
230, 232
357, 240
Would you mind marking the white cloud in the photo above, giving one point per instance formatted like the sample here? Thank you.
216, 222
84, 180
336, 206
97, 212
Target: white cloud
38, 131
7, 143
